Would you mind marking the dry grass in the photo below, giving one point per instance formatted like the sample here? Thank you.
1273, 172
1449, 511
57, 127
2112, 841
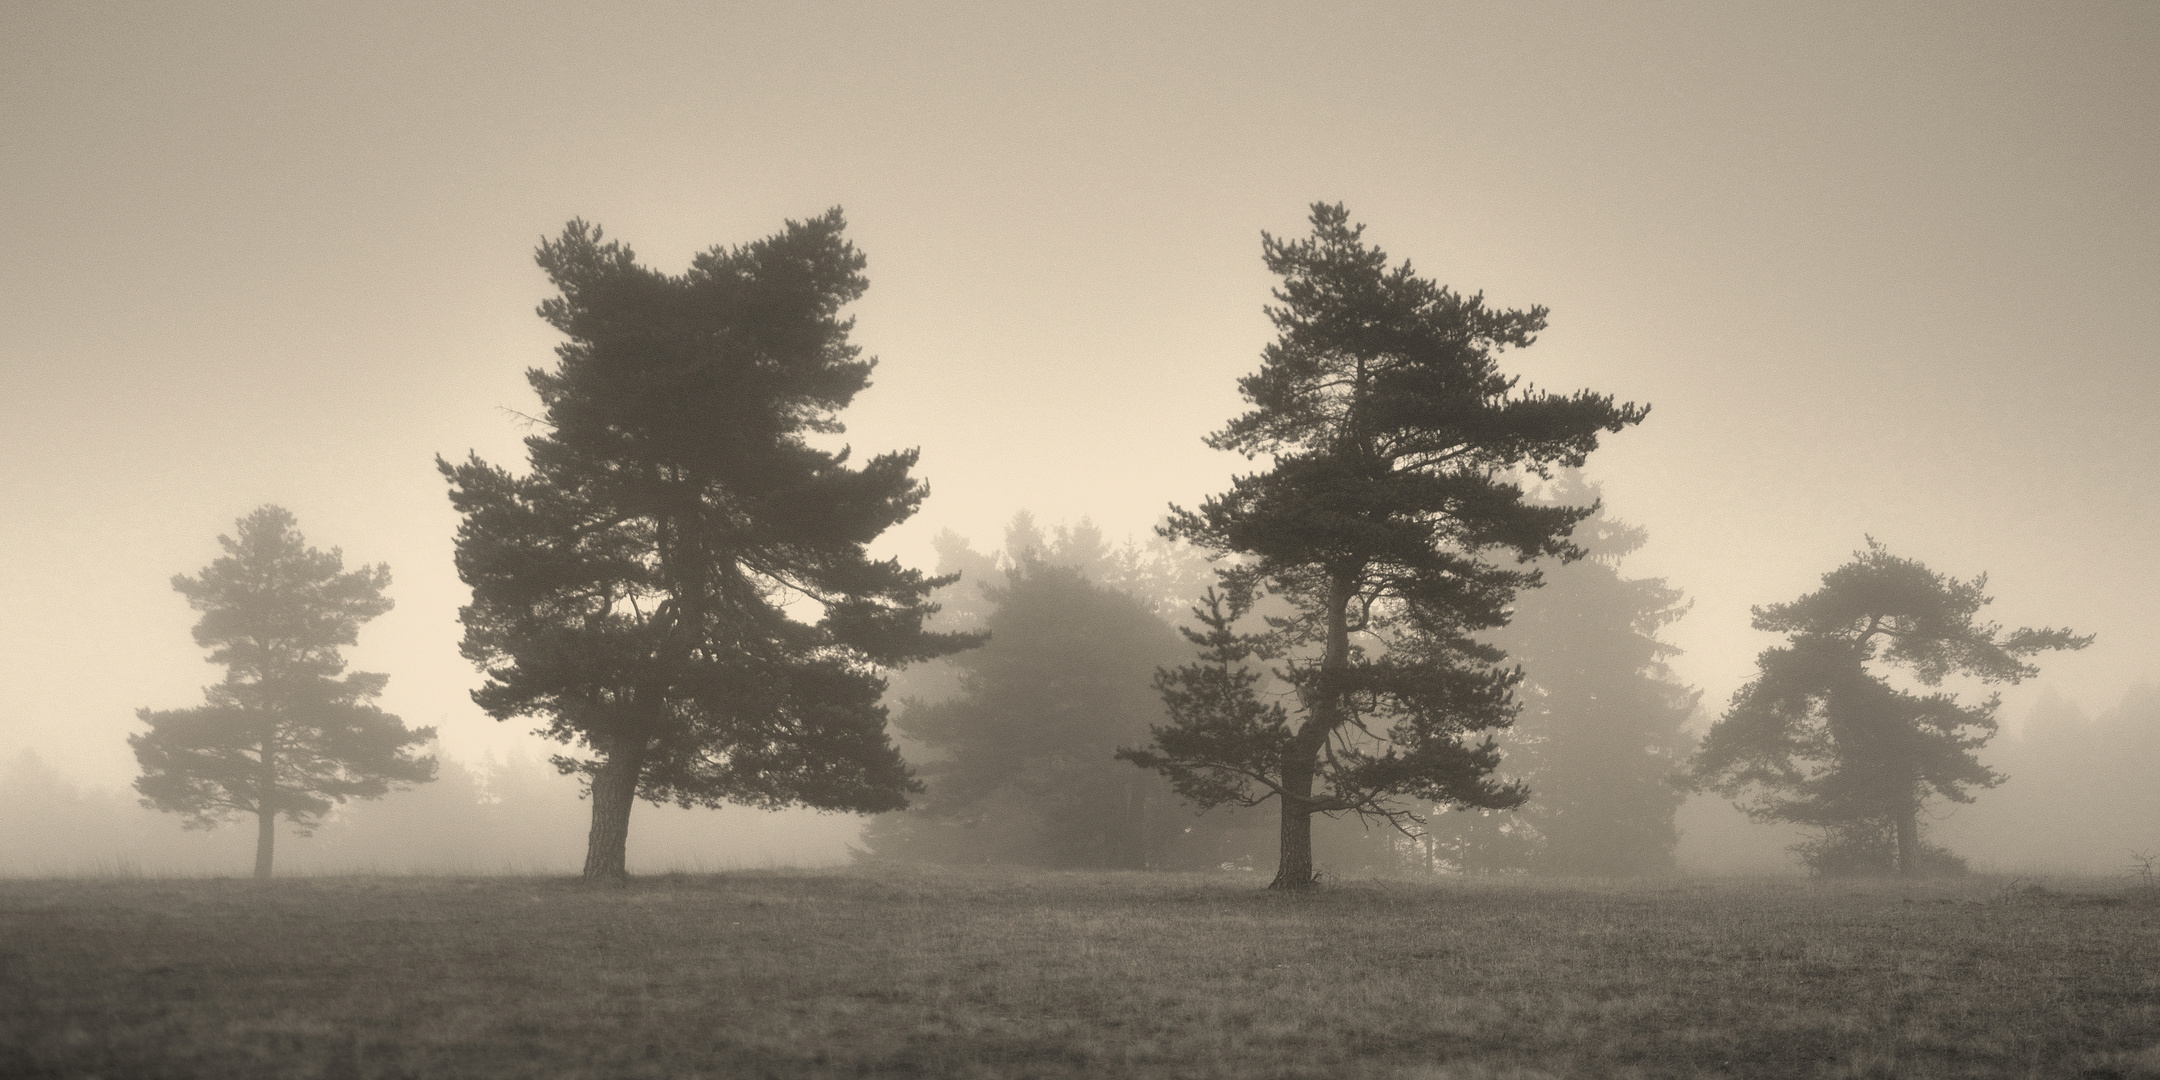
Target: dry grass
1011, 974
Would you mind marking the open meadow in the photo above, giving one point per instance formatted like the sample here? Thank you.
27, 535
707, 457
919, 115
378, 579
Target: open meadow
1001, 973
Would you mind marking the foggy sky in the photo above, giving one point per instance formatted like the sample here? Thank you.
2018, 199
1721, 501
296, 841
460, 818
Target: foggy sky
1879, 269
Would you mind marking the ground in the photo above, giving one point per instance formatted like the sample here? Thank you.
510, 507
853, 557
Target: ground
996, 973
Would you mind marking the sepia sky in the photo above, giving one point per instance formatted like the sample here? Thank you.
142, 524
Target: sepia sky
1879, 268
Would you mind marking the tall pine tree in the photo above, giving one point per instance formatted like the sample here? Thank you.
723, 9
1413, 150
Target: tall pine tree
1387, 525
680, 586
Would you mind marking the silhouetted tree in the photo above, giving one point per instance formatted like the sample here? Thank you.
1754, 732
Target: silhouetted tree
283, 733
1821, 740
1602, 731
1390, 426
642, 590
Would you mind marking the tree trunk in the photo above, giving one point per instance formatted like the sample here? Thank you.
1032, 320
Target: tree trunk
265, 841
1908, 843
1294, 869
265, 808
614, 789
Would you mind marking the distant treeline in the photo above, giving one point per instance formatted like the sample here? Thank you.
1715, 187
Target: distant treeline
515, 816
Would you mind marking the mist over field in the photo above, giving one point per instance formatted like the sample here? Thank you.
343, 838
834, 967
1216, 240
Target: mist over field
2074, 802
2078, 802
502, 817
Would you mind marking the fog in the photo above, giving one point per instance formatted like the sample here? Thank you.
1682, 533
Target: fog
515, 816
2079, 800
1879, 269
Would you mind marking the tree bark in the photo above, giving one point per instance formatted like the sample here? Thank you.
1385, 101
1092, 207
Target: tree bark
1293, 868
266, 809
1908, 843
265, 841
614, 790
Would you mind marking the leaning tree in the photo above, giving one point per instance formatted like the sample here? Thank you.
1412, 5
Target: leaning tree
1390, 533
1823, 738
282, 733
679, 586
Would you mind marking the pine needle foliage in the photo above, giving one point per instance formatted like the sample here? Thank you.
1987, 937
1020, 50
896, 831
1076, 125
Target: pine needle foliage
1390, 530
680, 586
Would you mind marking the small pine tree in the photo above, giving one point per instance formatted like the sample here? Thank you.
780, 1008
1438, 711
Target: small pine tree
283, 733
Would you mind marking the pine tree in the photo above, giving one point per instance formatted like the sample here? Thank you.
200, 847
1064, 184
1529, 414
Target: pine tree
1391, 429
283, 733
644, 589
1820, 738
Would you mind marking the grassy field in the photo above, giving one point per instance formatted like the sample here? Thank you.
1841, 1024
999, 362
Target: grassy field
1014, 974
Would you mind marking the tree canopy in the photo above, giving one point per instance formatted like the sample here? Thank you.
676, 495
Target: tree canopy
680, 585
287, 731
1389, 527
1823, 738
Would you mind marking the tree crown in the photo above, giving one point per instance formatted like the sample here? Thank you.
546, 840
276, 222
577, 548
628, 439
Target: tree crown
1899, 611
645, 588
1818, 739
1392, 428
274, 607
283, 734
1393, 435
1379, 362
